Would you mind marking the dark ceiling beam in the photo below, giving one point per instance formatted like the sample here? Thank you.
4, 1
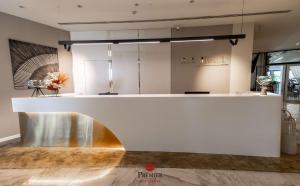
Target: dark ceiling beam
162, 40
179, 18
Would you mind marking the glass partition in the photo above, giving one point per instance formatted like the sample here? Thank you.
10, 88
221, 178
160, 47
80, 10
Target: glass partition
277, 72
293, 83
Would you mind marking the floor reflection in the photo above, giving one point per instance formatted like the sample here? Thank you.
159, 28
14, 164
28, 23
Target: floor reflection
294, 109
69, 177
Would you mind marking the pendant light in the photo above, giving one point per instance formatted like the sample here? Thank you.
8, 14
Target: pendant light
139, 63
234, 42
110, 73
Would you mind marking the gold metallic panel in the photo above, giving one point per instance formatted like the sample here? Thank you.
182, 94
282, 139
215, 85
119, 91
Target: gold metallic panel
64, 130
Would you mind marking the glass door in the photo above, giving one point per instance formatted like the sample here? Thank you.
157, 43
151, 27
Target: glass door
278, 74
284, 66
291, 97
287, 78
292, 93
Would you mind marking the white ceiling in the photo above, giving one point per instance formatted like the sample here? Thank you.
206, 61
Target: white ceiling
51, 12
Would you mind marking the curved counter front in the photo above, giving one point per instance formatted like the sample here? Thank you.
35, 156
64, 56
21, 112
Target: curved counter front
221, 124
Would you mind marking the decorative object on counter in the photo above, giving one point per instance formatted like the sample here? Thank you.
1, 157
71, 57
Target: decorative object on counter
264, 82
288, 133
56, 81
37, 85
31, 62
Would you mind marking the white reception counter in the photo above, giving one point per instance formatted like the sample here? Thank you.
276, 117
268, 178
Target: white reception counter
239, 124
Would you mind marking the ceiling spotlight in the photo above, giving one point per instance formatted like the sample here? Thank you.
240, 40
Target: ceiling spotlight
21, 6
177, 28
298, 43
134, 12
79, 6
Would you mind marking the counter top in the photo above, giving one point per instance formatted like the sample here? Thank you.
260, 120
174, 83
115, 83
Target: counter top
249, 94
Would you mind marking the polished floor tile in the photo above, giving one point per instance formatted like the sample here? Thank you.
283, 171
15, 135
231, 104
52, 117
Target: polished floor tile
29, 166
35, 158
129, 176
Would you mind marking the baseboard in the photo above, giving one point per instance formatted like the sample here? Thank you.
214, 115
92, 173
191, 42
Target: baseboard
9, 139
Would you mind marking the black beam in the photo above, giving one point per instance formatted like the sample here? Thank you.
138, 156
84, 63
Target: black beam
162, 40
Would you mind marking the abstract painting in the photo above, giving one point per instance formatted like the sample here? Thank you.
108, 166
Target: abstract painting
31, 62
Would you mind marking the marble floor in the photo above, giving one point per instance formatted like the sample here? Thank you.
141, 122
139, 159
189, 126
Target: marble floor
94, 166
294, 109
130, 177
17, 157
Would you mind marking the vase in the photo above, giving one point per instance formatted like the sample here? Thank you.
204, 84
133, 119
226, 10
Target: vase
263, 91
55, 93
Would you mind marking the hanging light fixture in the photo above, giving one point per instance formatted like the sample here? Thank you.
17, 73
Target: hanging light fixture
109, 52
192, 40
139, 64
140, 42
157, 40
234, 42
110, 73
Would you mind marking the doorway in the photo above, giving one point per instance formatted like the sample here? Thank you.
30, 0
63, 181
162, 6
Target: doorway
284, 67
287, 78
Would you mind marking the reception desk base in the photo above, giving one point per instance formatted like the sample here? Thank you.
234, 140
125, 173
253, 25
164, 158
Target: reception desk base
219, 124
66, 129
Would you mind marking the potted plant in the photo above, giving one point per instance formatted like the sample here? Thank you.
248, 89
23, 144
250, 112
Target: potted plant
264, 82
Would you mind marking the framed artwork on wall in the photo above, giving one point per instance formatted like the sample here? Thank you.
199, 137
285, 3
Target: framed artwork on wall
31, 62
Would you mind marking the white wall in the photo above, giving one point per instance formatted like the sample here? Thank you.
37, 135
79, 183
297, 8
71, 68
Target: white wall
157, 73
90, 72
20, 29
155, 63
195, 77
235, 77
241, 59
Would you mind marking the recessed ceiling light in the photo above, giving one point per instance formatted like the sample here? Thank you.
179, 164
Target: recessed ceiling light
177, 28
79, 6
298, 43
21, 6
192, 1
136, 4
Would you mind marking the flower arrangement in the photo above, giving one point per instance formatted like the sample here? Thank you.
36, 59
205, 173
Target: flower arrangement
264, 82
56, 80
